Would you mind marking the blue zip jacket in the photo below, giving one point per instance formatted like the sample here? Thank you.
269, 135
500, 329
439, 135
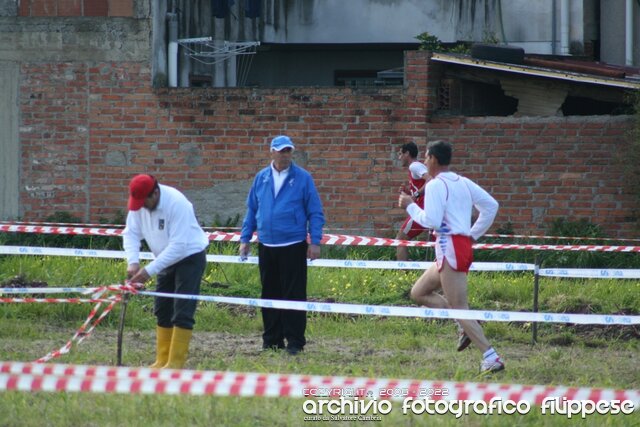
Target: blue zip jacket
288, 217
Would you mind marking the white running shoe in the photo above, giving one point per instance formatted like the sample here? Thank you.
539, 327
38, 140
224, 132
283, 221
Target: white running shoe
491, 366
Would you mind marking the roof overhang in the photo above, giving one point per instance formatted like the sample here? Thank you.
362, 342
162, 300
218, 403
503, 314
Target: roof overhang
535, 71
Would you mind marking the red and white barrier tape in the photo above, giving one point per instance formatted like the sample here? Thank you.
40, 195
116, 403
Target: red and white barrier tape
534, 236
62, 224
40, 229
93, 319
505, 236
68, 378
327, 239
52, 300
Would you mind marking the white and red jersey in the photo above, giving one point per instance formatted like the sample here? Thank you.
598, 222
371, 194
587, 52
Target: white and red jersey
417, 171
449, 202
449, 199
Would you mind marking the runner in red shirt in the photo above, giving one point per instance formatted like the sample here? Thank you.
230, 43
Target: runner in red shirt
418, 174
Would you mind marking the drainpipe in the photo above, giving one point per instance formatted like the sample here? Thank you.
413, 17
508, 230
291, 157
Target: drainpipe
172, 17
554, 31
628, 44
564, 27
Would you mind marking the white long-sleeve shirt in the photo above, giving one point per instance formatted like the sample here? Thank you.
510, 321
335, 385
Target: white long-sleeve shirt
171, 231
449, 199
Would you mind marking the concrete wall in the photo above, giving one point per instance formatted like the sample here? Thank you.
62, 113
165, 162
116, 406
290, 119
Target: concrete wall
73, 39
8, 7
397, 21
374, 21
356, 21
530, 25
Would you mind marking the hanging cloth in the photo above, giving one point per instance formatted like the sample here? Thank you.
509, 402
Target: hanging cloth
221, 8
252, 8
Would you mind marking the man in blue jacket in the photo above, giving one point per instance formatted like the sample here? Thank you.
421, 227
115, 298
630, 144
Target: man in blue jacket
283, 206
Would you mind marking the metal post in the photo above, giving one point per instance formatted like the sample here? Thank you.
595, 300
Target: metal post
123, 313
536, 288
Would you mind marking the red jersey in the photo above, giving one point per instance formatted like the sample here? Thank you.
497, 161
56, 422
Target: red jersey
416, 171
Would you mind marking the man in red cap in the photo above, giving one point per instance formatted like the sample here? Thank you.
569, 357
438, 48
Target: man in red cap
165, 219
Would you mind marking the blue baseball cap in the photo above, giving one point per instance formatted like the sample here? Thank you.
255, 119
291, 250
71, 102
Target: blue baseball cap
280, 142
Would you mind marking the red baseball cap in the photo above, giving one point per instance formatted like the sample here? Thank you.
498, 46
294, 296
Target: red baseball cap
140, 187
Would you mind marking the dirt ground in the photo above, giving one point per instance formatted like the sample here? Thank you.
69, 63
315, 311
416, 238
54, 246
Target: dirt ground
141, 345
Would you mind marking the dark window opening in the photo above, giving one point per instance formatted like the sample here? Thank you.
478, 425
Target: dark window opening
581, 106
354, 78
467, 98
392, 77
200, 80
340, 65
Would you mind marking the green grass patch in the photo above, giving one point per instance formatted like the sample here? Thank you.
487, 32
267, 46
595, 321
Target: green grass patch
228, 338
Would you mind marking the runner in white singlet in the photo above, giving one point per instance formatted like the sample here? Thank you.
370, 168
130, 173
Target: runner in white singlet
448, 204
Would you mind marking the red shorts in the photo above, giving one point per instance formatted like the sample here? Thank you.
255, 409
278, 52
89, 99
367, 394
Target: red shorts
411, 228
456, 249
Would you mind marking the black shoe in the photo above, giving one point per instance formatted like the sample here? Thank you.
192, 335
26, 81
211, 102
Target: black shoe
463, 341
273, 347
294, 350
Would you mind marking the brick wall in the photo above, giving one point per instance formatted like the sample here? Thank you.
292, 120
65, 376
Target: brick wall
541, 169
87, 128
54, 139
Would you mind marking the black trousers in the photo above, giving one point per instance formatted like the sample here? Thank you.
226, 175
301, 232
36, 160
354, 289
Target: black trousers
183, 277
283, 273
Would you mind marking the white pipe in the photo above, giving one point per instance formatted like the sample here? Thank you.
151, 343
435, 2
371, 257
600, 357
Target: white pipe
564, 27
628, 44
173, 49
173, 64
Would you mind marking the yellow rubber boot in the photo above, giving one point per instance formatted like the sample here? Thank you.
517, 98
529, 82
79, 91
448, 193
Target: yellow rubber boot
163, 344
179, 348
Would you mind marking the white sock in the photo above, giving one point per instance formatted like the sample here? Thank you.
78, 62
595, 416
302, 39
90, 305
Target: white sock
490, 355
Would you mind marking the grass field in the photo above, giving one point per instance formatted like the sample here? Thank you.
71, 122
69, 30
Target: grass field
227, 338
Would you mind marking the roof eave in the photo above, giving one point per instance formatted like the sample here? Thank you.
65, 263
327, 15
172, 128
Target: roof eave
534, 71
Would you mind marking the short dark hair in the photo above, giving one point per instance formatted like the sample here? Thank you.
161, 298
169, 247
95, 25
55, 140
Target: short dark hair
441, 150
411, 147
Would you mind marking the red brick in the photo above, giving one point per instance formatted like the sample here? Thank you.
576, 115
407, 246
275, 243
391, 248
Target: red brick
44, 7
121, 8
24, 8
95, 7
69, 7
